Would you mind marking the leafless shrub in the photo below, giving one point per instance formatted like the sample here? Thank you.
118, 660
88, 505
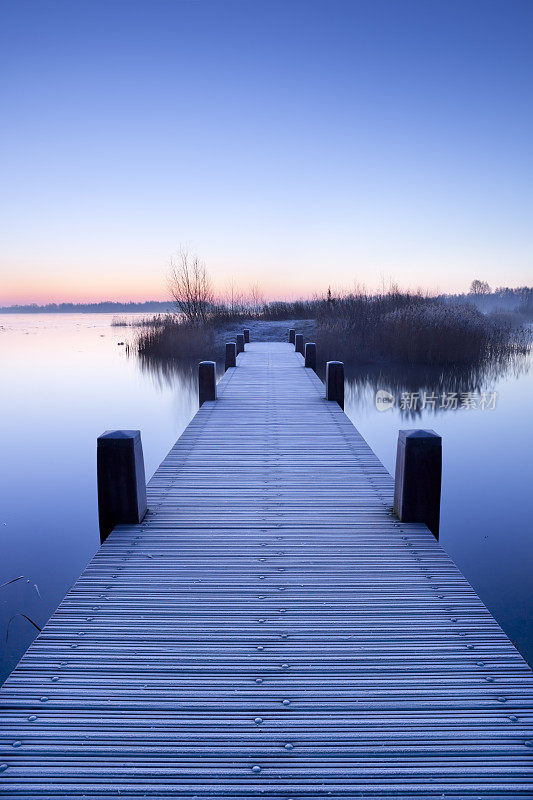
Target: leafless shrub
256, 300
191, 288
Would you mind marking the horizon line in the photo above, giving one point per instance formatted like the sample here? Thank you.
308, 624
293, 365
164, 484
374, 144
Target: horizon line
153, 301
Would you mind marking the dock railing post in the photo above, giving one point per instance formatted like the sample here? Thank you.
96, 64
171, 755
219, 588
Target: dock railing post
240, 343
335, 382
292, 334
310, 355
299, 343
246, 333
207, 381
121, 480
417, 483
231, 355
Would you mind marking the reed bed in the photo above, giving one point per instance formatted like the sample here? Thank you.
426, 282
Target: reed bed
173, 337
153, 321
413, 329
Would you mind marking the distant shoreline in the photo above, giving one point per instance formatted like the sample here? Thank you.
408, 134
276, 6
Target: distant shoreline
106, 307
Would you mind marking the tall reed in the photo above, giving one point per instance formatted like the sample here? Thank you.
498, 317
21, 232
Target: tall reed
413, 329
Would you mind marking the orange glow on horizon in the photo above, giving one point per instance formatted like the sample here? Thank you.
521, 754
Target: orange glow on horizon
61, 289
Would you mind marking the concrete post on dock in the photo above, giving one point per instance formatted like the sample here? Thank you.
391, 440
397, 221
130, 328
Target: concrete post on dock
310, 355
246, 334
207, 381
240, 343
121, 480
299, 343
231, 355
417, 483
335, 382
292, 334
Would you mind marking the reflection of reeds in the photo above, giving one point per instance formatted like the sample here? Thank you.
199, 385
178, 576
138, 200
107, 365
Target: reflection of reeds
411, 329
167, 371
20, 613
13, 580
172, 371
364, 380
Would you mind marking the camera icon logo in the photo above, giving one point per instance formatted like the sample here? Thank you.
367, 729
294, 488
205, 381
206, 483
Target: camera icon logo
384, 400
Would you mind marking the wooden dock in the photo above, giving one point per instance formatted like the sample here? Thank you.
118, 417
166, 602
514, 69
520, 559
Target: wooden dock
270, 630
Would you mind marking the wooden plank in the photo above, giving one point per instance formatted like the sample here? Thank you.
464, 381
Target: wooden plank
269, 630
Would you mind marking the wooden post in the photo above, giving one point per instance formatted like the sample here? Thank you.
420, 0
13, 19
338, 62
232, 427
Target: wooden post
417, 483
299, 343
246, 335
292, 334
335, 382
207, 381
240, 343
310, 355
231, 355
121, 480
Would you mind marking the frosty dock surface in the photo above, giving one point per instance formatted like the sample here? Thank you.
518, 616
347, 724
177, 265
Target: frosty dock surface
270, 630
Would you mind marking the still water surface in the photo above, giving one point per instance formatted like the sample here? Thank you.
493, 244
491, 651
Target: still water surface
66, 379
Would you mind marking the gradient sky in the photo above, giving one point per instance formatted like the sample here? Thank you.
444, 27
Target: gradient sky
293, 144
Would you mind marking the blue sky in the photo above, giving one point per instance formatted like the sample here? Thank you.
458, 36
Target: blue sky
290, 144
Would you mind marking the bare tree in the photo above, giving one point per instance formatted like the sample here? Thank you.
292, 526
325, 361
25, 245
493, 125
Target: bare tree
479, 287
233, 298
190, 287
256, 299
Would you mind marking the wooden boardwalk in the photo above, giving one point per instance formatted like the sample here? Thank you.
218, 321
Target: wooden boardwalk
270, 630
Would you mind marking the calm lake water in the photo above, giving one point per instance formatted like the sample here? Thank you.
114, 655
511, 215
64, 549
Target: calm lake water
67, 378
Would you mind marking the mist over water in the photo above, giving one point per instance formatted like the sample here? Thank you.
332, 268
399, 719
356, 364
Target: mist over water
67, 378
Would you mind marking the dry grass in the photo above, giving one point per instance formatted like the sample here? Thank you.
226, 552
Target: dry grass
397, 327
412, 329
174, 337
